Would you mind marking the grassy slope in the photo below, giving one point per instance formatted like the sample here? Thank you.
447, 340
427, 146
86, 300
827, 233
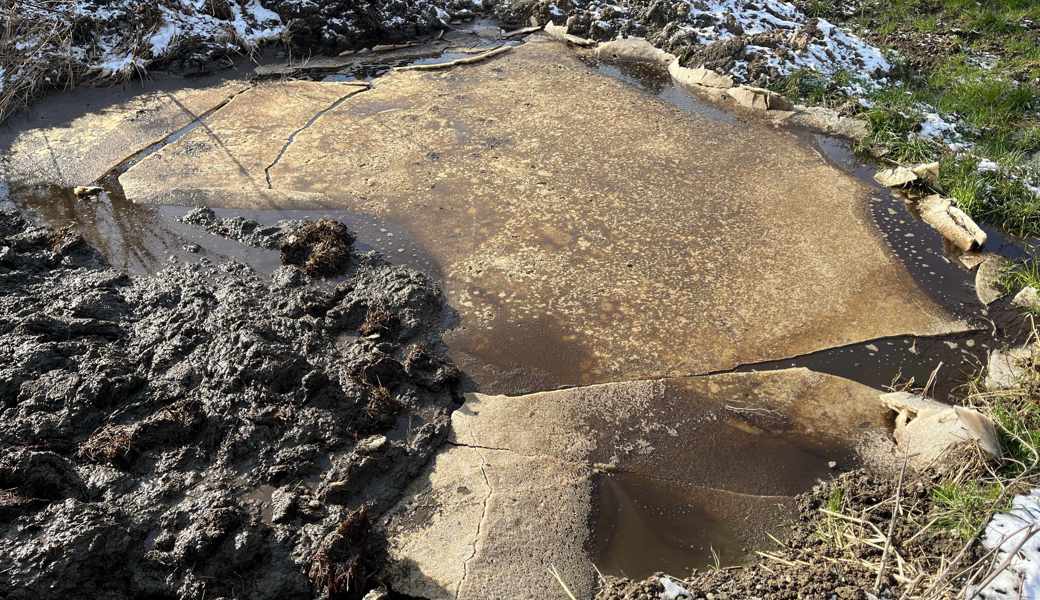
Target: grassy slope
979, 61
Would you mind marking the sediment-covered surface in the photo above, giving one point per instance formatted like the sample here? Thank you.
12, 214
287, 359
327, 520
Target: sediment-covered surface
208, 432
514, 491
562, 205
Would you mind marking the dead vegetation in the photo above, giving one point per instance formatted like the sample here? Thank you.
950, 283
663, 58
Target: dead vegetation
111, 443
337, 568
36, 38
321, 248
379, 322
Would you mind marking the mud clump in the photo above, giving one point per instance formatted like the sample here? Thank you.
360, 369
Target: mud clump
320, 248
240, 229
207, 432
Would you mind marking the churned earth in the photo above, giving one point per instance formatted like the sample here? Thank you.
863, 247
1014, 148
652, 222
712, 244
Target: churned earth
209, 431
244, 428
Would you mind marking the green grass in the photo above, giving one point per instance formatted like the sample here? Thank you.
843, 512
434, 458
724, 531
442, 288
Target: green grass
963, 508
998, 105
998, 197
813, 88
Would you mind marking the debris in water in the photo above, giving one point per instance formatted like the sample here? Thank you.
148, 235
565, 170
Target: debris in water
321, 248
928, 430
951, 222
468, 60
87, 191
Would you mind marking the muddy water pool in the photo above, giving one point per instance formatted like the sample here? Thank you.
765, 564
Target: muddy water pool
642, 524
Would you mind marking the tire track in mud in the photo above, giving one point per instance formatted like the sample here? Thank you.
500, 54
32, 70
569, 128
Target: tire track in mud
314, 119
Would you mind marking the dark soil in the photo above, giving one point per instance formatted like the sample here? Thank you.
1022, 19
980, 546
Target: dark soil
671, 27
816, 569
204, 433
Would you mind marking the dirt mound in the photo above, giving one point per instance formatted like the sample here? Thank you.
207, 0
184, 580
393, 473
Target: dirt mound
202, 432
240, 229
756, 42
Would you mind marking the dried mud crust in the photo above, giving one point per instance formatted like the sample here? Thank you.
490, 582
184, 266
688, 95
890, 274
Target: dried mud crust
816, 569
204, 432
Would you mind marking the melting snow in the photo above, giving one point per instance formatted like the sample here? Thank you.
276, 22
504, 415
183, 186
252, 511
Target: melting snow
1015, 532
828, 50
936, 128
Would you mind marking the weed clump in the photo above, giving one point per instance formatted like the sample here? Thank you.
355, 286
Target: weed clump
337, 567
111, 443
321, 248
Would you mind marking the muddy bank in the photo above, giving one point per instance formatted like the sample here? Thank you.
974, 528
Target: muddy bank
810, 565
755, 42
50, 46
206, 432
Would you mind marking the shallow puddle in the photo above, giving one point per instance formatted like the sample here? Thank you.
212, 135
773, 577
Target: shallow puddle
645, 519
643, 526
142, 239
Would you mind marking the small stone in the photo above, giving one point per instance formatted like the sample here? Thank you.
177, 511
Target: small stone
987, 279
832, 464
699, 76
87, 191
757, 98
927, 171
1028, 298
951, 222
371, 444
896, 177
928, 430
1006, 368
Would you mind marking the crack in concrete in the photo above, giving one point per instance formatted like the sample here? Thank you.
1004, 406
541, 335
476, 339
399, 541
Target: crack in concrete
110, 178
480, 526
493, 448
307, 125
773, 364
592, 465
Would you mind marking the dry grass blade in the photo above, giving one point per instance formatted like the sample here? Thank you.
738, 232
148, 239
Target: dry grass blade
35, 46
895, 515
559, 579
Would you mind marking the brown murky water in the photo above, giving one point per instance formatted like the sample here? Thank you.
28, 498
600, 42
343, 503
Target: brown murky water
643, 523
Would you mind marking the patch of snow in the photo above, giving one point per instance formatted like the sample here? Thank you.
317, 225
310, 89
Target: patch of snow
805, 43
1015, 535
988, 166
672, 590
160, 40
935, 127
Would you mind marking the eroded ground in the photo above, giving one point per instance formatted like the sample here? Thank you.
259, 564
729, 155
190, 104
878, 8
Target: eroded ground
584, 232
514, 491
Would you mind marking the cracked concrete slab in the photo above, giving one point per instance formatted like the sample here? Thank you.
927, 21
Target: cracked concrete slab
529, 477
74, 140
225, 151
586, 231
